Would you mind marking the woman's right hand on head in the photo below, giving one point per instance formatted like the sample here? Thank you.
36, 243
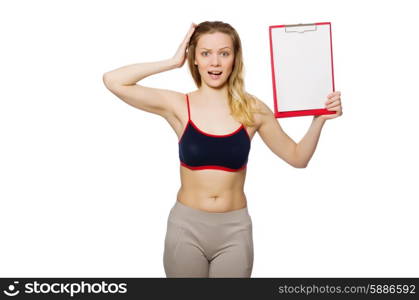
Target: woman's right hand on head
180, 56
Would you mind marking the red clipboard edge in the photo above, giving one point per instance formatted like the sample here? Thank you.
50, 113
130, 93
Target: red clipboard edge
298, 113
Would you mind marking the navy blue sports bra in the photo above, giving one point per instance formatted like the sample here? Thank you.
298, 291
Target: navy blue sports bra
200, 150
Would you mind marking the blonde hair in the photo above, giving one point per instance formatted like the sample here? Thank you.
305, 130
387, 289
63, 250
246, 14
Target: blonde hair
240, 102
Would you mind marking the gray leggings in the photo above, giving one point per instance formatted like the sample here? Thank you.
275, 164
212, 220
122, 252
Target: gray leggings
208, 244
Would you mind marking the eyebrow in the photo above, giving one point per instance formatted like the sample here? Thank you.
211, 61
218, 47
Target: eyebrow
219, 49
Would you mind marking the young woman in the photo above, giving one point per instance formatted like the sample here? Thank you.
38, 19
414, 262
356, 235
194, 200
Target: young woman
209, 229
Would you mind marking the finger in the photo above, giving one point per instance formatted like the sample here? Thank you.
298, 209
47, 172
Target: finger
333, 97
337, 113
337, 93
329, 101
333, 107
189, 33
332, 103
188, 36
192, 29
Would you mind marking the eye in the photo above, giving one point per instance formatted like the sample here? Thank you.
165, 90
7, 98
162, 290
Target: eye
223, 53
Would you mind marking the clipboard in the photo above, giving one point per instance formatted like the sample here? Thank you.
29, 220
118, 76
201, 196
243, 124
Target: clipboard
302, 68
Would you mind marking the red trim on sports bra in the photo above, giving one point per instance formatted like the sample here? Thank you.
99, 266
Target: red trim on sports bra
206, 133
212, 167
189, 110
215, 135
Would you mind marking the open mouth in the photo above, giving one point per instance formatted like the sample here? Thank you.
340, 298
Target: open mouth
215, 75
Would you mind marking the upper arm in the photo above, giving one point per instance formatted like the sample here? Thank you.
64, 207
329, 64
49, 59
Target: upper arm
274, 137
153, 100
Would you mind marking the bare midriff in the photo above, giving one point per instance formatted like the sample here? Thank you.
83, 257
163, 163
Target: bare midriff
212, 190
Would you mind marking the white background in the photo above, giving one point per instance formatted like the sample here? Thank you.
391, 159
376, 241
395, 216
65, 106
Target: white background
87, 181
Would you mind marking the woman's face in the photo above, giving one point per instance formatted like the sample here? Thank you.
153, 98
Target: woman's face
214, 53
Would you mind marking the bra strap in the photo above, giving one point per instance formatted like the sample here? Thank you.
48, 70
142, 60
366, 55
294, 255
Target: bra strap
187, 102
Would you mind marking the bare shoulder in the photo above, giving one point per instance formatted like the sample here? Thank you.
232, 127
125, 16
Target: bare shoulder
262, 111
174, 101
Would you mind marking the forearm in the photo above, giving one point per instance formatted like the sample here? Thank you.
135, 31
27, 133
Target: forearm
306, 147
131, 74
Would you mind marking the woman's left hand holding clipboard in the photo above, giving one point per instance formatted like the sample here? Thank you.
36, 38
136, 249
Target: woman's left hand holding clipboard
333, 103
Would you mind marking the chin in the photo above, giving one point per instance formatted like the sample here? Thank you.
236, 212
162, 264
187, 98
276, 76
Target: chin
217, 84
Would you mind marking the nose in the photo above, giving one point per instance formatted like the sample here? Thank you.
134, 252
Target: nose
215, 60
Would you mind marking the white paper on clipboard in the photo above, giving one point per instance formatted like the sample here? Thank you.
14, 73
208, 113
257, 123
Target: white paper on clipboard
302, 66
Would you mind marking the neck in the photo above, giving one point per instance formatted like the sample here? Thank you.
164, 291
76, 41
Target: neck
218, 95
